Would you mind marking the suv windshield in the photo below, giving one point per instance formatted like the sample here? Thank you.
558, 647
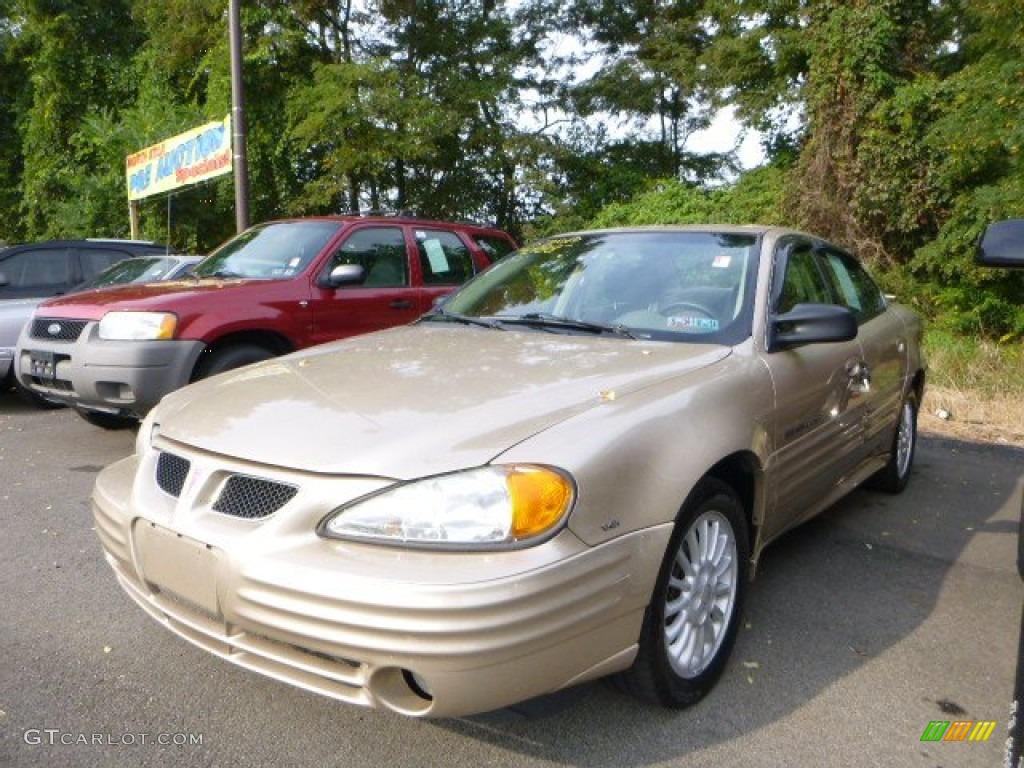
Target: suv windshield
276, 250
664, 285
142, 269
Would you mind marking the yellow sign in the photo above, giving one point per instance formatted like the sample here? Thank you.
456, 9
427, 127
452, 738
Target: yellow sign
188, 158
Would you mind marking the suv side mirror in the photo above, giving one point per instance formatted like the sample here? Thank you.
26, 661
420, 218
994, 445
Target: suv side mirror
1002, 244
811, 324
345, 274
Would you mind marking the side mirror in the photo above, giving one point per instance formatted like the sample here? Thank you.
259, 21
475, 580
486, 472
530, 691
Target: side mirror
345, 274
1002, 244
811, 324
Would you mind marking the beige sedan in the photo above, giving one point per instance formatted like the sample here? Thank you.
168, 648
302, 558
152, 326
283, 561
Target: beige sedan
566, 471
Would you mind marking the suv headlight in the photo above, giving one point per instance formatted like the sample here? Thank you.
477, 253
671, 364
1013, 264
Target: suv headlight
485, 508
138, 326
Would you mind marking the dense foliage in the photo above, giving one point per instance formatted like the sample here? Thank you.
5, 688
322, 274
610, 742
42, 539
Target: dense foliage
890, 126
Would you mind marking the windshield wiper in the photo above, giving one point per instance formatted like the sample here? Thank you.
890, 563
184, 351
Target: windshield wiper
441, 314
545, 320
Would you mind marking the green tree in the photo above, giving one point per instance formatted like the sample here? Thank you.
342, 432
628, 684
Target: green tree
416, 109
756, 197
76, 54
13, 97
650, 73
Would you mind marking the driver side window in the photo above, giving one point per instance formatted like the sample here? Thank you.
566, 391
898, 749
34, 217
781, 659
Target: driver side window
382, 254
803, 282
855, 288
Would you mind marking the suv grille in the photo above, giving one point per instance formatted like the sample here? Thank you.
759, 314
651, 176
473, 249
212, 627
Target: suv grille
252, 498
171, 471
57, 329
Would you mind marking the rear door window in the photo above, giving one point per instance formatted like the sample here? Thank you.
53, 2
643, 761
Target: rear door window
444, 258
37, 272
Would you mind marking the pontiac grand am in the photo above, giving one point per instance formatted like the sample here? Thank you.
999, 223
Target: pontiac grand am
566, 470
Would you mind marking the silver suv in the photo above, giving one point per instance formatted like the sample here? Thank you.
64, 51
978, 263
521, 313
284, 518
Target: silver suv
32, 272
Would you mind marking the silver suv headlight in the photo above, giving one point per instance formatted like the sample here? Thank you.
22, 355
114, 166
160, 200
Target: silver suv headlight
138, 326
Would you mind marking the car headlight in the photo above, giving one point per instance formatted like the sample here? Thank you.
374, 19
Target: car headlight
138, 326
147, 432
489, 507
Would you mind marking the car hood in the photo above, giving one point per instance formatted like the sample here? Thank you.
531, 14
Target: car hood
417, 400
93, 304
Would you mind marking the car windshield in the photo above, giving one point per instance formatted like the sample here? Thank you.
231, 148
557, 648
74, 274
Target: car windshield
276, 250
144, 269
693, 286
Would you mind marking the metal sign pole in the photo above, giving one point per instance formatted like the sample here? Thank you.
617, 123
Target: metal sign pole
133, 218
239, 161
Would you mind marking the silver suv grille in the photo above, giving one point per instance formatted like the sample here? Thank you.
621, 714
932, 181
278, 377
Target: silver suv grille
57, 329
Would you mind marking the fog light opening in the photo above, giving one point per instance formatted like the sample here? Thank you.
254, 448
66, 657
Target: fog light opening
417, 684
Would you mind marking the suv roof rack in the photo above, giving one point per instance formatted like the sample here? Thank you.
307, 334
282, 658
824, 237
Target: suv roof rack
399, 214
408, 213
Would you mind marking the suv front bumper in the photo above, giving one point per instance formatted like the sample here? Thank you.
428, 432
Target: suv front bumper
123, 377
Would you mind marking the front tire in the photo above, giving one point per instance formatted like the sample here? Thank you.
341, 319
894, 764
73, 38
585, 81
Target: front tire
691, 623
228, 358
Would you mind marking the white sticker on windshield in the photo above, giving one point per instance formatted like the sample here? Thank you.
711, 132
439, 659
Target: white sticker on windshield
295, 262
722, 261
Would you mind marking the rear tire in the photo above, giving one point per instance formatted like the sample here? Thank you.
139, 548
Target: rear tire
691, 623
894, 476
228, 358
111, 421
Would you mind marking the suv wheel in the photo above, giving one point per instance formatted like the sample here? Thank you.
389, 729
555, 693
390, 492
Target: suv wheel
228, 358
104, 420
32, 398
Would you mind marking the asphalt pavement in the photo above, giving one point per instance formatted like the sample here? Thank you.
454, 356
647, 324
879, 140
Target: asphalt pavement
862, 627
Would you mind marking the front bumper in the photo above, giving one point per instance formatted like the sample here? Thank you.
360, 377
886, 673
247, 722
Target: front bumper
420, 633
124, 377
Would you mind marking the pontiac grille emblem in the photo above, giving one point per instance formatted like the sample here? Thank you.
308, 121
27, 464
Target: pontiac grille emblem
53, 329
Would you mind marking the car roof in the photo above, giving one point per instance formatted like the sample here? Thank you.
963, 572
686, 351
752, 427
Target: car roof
737, 229
767, 232
144, 245
398, 218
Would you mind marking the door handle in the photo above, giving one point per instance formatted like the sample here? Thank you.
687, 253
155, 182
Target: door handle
859, 373
401, 304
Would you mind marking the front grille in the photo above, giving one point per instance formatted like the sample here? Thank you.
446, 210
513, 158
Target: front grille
171, 471
57, 329
252, 498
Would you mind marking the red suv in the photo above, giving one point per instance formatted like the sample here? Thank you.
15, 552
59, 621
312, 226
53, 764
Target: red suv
275, 288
